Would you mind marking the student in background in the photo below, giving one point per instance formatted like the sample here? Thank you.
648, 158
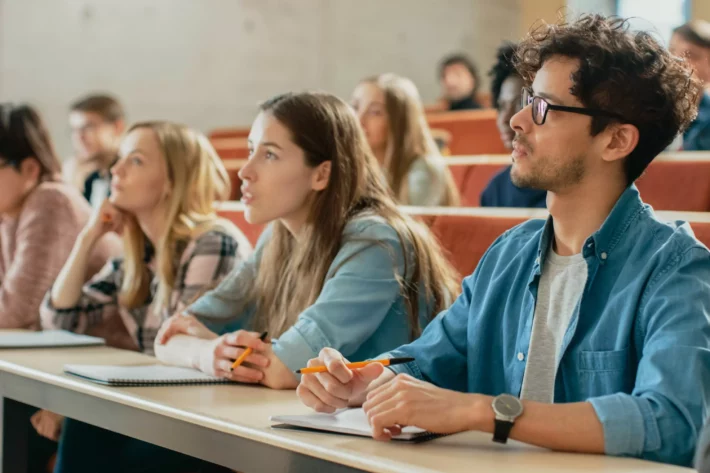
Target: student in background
340, 265
603, 342
459, 82
40, 217
506, 89
692, 41
164, 188
97, 123
392, 117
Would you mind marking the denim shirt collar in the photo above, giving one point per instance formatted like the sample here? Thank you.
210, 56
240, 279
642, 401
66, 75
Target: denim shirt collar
600, 244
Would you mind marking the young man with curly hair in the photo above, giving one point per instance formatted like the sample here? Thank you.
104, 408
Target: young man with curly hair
588, 332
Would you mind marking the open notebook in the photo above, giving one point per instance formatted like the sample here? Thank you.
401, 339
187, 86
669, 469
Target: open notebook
148, 375
346, 421
47, 339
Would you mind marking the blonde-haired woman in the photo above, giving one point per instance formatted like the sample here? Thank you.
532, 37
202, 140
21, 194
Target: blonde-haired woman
392, 116
163, 191
340, 265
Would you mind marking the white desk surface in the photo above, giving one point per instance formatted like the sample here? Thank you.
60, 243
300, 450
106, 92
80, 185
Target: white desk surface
243, 411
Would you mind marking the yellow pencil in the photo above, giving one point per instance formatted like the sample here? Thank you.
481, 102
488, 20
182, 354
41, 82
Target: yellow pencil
246, 353
357, 364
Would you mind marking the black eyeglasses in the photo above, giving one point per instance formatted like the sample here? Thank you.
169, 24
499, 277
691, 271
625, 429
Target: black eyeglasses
540, 107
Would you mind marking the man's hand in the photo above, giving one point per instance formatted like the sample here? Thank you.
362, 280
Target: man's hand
407, 401
340, 386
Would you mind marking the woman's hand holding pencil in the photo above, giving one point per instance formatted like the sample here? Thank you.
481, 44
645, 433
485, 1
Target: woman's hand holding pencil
248, 348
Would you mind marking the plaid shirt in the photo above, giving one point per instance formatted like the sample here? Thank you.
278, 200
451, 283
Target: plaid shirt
204, 262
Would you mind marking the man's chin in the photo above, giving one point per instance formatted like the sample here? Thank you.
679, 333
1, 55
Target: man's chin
524, 182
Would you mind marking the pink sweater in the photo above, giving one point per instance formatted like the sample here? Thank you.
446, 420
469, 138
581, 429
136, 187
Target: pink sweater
35, 245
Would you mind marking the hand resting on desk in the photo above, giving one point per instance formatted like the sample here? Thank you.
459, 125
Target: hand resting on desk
390, 402
185, 341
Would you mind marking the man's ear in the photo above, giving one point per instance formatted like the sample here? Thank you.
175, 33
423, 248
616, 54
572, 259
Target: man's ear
321, 177
622, 141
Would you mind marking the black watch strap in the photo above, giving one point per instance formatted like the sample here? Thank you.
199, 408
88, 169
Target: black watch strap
502, 430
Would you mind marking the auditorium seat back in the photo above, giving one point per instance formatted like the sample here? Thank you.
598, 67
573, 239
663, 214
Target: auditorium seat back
472, 131
677, 182
466, 233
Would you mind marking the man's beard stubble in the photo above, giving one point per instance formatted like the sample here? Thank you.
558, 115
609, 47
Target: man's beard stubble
546, 173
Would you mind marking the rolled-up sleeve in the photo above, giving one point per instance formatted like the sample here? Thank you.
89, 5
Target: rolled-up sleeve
662, 417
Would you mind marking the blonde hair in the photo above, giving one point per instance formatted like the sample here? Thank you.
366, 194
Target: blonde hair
292, 274
198, 179
410, 139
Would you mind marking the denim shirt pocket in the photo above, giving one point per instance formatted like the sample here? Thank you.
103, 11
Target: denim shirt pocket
604, 372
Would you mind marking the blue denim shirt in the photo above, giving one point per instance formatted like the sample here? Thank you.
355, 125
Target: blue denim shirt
638, 344
360, 311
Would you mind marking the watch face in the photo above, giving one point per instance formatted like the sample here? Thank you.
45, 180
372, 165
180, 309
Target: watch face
507, 405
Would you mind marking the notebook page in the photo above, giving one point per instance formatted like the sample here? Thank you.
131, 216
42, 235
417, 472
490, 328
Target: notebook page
47, 339
346, 421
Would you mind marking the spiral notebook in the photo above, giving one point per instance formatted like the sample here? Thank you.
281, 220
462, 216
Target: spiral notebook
348, 422
148, 375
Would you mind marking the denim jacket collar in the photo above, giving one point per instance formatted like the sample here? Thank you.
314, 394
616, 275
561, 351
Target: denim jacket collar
601, 243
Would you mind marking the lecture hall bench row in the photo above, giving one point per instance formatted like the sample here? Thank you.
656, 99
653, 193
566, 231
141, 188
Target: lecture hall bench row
674, 181
466, 233
468, 131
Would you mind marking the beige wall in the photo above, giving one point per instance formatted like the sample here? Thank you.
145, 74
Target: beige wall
534, 10
701, 10
208, 63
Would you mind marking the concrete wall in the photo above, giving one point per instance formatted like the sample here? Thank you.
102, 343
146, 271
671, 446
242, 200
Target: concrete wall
208, 63
603, 7
532, 11
701, 9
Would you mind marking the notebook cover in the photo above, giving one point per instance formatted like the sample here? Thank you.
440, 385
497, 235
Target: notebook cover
346, 422
146, 375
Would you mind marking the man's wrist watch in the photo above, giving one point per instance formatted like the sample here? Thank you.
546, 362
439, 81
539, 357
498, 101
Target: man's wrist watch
507, 408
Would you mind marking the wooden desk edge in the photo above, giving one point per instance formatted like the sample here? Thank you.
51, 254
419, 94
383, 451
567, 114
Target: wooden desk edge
267, 436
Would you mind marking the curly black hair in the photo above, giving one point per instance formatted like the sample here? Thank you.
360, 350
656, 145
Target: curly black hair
466, 61
629, 73
502, 69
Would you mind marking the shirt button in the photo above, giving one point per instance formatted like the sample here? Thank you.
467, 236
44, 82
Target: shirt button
521, 357
590, 245
603, 255
537, 260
